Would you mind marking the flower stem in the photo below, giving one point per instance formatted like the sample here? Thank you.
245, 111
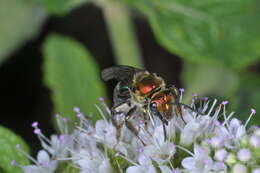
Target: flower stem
122, 35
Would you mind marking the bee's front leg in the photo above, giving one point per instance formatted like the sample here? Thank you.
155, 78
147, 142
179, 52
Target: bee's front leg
118, 117
130, 125
176, 102
118, 126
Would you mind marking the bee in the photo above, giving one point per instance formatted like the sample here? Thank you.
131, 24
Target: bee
140, 95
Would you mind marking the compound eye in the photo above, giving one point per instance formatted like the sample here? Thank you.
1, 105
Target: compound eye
124, 87
153, 105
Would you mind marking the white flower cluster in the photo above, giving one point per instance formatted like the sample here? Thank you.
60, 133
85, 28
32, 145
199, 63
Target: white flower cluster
201, 144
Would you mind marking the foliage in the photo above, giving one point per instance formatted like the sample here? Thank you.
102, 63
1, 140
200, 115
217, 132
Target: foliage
217, 32
61, 7
20, 21
8, 140
72, 75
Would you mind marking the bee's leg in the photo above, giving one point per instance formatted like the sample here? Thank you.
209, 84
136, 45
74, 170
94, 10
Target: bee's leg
118, 126
129, 124
187, 106
164, 122
179, 112
145, 121
118, 118
177, 108
164, 132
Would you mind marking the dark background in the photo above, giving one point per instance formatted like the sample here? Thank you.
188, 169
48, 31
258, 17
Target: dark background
25, 99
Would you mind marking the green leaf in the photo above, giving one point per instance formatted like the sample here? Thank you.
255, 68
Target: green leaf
72, 75
61, 7
20, 22
209, 80
206, 31
8, 152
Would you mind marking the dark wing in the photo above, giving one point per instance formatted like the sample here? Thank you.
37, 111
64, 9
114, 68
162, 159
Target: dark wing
120, 73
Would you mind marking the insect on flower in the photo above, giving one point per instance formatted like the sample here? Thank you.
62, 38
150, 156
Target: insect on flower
139, 94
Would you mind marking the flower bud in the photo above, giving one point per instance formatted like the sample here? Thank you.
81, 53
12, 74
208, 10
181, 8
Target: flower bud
216, 142
239, 168
244, 155
221, 154
244, 141
255, 141
257, 170
257, 132
231, 159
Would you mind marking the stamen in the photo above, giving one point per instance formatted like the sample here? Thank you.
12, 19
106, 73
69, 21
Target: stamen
205, 99
76, 109
101, 113
224, 103
102, 101
226, 120
181, 95
184, 149
13, 162
35, 124
205, 107
212, 107
62, 124
41, 136
127, 159
194, 95
26, 155
253, 112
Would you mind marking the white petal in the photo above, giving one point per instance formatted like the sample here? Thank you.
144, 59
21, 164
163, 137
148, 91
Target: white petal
86, 171
135, 169
222, 131
241, 131
106, 132
88, 164
188, 163
208, 163
190, 133
239, 168
101, 127
43, 157
200, 152
234, 123
218, 166
144, 160
171, 129
105, 167
54, 140
159, 135
165, 169
151, 169
171, 149
31, 169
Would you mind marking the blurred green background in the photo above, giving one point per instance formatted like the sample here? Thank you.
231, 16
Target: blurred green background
52, 52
